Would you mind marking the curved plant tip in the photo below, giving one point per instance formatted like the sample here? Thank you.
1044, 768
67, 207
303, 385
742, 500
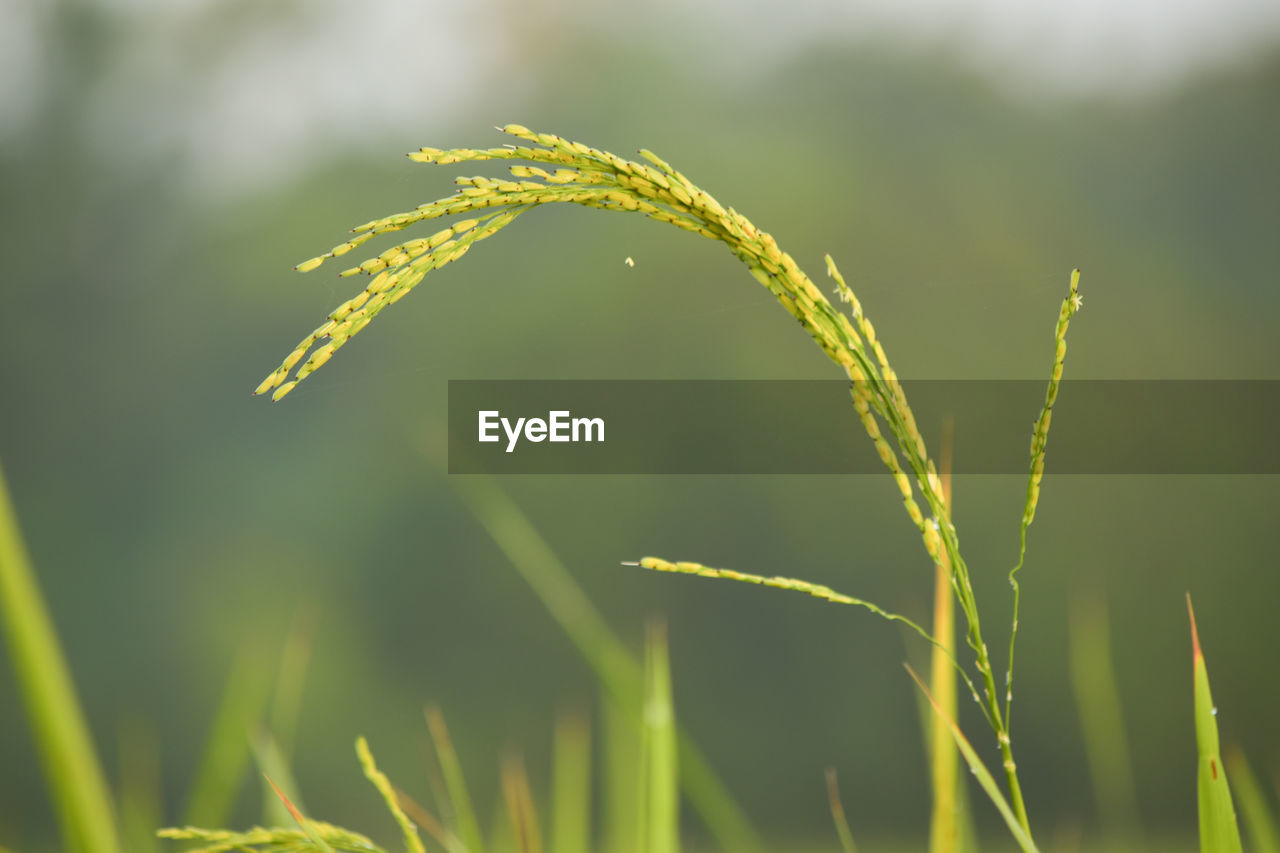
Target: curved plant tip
1218, 830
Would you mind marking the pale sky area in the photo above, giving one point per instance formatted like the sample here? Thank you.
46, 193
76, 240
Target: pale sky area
292, 73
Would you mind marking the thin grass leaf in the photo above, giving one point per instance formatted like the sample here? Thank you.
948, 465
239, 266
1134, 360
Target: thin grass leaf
412, 842
1259, 820
571, 784
622, 776
1097, 695
615, 667
291, 677
520, 808
980, 772
660, 814
837, 813
227, 752
74, 775
305, 825
140, 788
275, 767
430, 824
1218, 830
944, 760
465, 823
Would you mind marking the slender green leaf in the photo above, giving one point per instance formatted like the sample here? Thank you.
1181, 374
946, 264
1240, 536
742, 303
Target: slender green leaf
1218, 830
944, 760
837, 813
227, 751
521, 812
622, 776
1097, 695
660, 816
466, 825
1259, 820
140, 788
305, 825
571, 785
273, 765
74, 775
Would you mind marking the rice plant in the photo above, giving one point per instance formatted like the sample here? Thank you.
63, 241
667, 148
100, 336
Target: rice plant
573, 173
648, 758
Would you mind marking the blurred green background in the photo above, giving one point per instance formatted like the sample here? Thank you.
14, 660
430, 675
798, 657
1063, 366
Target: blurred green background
163, 166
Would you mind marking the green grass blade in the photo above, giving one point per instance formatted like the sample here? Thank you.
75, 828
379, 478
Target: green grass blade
305, 825
140, 788
980, 772
622, 776
75, 779
521, 813
430, 824
571, 785
1218, 830
1259, 820
1097, 696
614, 665
273, 765
944, 759
466, 825
227, 752
837, 813
660, 817
291, 677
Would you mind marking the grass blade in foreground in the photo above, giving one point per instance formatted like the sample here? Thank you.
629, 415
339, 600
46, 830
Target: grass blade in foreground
521, 813
571, 785
1259, 822
303, 824
227, 751
660, 816
76, 782
622, 776
837, 813
465, 823
275, 768
1097, 695
950, 807
1218, 830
